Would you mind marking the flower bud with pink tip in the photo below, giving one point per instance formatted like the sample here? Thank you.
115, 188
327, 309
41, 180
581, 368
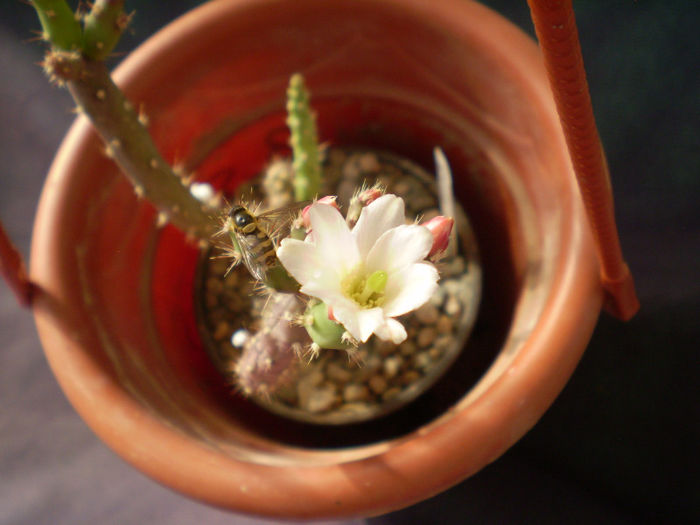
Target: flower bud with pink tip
329, 200
440, 227
369, 195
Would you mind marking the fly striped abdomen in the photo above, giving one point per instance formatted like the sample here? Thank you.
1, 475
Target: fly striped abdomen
257, 250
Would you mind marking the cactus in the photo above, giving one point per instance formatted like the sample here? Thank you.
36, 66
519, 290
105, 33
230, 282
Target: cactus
324, 332
103, 26
61, 26
270, 356
304, 141
75, 60
277, 183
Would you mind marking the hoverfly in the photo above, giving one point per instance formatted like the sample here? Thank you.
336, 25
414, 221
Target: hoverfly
254, 235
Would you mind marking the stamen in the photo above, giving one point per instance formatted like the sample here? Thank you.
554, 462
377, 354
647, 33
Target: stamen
375, 284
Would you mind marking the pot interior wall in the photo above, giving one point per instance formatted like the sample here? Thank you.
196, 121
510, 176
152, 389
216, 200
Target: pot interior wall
380, 77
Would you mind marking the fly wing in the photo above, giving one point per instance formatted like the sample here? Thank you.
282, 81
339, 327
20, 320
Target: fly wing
246, 253
277, 223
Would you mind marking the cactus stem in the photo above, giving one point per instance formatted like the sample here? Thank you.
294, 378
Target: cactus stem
59, 24
135, 153
103, 26
304, 140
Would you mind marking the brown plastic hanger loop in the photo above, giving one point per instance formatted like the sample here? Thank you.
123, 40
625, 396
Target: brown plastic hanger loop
556, 30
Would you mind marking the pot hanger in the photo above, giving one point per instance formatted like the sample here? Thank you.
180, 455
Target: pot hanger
555, 26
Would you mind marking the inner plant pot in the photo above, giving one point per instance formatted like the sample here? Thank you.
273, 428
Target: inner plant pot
118, 318
376, 377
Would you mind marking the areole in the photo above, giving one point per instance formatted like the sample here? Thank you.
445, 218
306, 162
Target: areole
113, 304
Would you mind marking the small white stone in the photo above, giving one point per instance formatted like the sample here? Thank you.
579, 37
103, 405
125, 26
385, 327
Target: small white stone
392, 365
239, 337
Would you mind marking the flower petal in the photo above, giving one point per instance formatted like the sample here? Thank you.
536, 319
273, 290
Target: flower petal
327, 288
359, 322
336, 245
383, 214
300, 259
410, 288
398, 248
391, 330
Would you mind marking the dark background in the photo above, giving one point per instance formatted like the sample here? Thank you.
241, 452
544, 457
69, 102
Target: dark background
620, 445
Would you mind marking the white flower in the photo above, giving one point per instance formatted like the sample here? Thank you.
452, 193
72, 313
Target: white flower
368, 275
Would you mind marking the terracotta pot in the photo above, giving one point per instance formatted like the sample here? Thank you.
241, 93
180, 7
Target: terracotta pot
116, 318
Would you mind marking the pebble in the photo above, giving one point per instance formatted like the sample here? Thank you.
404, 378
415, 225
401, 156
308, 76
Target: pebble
385, 347
392, 366
407, 348
452, 307
426, 336
435, 352
307, 385
211, 301
423, 360
453, 267
427, 314
222, 331
355, 392
320, 400
239, 337
409, 377
444, 325
378, 384
359, 410
369, 366
443, 342
438, 297
338, 373
214, 285
369, 163
391, 393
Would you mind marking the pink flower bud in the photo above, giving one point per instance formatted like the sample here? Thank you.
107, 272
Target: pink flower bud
328, 200
369, 195
440, 227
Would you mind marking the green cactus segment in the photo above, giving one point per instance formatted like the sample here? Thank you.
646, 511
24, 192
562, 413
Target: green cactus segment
304, 141
132, 148
324, 332
103, 26
61, 26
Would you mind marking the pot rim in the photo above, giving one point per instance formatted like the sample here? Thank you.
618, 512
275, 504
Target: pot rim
396, 473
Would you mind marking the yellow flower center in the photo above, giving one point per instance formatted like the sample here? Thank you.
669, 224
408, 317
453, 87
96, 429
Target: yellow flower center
365, 290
